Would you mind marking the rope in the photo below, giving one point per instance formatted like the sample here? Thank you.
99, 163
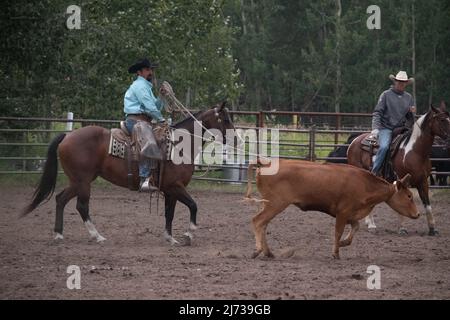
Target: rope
172, 103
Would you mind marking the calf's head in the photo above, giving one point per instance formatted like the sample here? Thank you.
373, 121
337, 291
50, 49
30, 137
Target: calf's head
402, 200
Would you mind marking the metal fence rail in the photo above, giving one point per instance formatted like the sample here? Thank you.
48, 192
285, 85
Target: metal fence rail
309, 147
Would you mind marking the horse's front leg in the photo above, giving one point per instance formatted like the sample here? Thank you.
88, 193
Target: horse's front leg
423, 193
170, 204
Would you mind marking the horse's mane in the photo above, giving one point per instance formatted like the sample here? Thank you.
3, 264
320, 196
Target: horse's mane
189, 118
407, 136
422, 127
425, 120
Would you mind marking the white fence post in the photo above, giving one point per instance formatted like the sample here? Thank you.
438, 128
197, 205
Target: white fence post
69, 124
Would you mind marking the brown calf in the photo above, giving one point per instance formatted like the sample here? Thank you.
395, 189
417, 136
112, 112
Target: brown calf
345, 192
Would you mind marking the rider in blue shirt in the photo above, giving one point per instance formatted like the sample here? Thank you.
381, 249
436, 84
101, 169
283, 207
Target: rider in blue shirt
139, 101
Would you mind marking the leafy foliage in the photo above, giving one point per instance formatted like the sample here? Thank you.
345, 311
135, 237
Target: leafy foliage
266, 54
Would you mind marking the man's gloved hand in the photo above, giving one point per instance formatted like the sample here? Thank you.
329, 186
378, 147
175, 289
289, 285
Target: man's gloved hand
163, 123
374, 134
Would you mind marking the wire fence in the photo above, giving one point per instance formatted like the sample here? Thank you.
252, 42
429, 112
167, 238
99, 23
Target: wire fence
24, 141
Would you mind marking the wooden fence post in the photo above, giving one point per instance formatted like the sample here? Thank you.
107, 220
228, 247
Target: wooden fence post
312, 143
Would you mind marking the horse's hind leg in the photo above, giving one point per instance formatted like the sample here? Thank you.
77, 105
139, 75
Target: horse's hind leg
83, 208
370, 222
170, 204
62, 199
186, 199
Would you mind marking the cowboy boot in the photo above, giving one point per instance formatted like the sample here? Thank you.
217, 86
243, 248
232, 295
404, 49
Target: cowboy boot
147, 185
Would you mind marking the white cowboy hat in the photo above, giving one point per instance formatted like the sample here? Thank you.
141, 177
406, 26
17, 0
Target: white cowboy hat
401, 76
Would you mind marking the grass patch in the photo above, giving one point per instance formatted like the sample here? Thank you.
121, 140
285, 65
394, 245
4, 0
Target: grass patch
201, 185
32, 180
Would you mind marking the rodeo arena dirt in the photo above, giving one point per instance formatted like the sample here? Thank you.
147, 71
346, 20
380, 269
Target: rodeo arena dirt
135, 262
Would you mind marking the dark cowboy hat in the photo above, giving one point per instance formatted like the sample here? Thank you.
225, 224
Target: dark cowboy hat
143, 63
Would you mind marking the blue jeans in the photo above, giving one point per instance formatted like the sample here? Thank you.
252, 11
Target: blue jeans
144, 170
384, 140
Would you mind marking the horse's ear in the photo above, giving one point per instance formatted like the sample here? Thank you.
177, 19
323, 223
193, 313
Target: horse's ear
435, 110
442, 106
223, 104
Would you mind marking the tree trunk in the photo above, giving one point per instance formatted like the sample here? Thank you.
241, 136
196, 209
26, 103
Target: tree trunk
337, 93
188, 97
243, 18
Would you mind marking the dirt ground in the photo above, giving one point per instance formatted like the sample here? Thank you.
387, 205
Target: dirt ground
135, 262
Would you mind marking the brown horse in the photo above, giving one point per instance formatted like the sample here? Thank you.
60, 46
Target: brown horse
413, 157
84, 156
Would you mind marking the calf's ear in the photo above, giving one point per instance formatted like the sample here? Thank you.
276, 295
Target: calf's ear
406, 180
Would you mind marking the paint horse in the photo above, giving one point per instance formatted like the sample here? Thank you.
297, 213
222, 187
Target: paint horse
83, 155
413, 157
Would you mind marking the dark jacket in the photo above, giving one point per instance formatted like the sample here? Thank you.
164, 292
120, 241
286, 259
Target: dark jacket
393, 110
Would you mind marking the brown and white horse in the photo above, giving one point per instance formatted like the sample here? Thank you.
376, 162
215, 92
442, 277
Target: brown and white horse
413, 157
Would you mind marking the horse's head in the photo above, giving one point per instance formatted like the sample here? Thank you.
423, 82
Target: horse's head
439, 120
217, 118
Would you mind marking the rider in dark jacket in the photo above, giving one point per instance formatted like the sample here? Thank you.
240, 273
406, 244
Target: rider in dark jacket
395, 109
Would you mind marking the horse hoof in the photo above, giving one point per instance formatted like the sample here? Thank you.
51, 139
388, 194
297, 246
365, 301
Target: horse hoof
170, 239
59, 236
403, 232
255, 254
100, 239
193, 226
187, 239
173, 242
336, 256
269, 255
433, 232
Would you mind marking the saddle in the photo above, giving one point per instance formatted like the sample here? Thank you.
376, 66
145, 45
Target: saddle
370, 144
145, 143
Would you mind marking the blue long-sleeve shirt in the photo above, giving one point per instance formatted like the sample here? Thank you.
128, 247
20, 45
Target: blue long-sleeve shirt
139, 99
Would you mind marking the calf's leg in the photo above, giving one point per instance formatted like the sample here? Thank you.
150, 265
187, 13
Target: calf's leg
260, 222
348, 240
338, 231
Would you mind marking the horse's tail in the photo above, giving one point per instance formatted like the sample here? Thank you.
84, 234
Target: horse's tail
47, 184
